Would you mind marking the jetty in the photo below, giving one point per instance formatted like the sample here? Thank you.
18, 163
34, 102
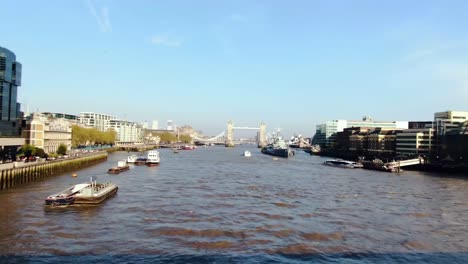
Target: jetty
392, 166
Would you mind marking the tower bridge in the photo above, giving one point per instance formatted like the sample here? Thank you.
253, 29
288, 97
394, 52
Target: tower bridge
228, 135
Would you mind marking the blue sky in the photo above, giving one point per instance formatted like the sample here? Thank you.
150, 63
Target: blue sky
291, 64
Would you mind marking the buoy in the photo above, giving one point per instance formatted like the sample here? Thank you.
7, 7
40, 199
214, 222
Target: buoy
74, 175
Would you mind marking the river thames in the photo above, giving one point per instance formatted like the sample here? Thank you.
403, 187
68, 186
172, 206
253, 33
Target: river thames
212, 205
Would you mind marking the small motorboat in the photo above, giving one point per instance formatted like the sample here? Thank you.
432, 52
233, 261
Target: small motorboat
247, 153
132, 159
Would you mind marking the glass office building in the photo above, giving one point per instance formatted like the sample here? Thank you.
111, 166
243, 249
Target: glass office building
325, 134
10, 79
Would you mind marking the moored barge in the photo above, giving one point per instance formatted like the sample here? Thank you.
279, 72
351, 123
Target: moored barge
83, 193
121, 166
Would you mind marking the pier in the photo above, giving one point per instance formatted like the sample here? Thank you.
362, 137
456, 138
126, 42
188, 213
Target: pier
393, 166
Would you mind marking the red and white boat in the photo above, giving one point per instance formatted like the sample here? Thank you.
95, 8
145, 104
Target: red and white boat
188, 147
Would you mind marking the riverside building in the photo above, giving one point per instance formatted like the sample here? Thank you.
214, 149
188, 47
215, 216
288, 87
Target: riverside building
47, 132
444, 121
95, 120
418, 141
128, 133
325, 135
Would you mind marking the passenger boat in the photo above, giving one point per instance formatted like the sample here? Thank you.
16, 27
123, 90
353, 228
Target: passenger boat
187, 147
278, 147
83, 193
247, 153
121, 166
342, 163
153, 158
132, 159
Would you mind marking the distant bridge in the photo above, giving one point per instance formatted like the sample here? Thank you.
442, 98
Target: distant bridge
212, 139
229, 135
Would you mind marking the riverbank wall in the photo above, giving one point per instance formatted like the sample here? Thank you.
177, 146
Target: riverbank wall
9, 178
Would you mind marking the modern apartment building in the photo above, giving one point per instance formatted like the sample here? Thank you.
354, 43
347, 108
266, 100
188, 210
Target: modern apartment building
47, 132
72, 118
325, 135
127, 132
95, 120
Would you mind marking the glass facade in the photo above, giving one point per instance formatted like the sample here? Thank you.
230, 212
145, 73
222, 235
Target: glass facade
10, 79
326, 133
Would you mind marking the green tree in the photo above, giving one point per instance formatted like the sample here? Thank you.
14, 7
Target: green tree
79, 136
167, 137
62, 149
26, 151
110, 136
87, 136
185, 138
40, 152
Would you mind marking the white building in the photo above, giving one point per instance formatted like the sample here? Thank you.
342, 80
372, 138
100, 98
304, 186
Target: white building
95, 120
170, 125
155, 125
325, 133
127, 132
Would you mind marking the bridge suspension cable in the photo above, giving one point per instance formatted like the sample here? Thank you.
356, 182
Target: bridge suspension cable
210, 139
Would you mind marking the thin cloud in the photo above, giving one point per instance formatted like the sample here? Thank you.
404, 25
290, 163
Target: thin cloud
436, 50
101, 15
455, 78
164, 40
238, 18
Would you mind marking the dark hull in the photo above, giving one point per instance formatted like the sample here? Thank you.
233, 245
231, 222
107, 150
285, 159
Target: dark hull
60, 201
152, 164
140, 162
118, 170
284, 153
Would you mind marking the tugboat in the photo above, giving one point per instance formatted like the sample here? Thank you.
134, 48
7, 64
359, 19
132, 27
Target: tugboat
83, 193
152, 158
121, 166
278, 147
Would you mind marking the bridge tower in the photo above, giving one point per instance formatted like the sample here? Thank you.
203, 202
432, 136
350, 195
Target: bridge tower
230, 134
262, 142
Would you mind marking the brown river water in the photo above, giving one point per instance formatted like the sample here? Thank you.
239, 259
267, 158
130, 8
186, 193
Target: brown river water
212, 205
